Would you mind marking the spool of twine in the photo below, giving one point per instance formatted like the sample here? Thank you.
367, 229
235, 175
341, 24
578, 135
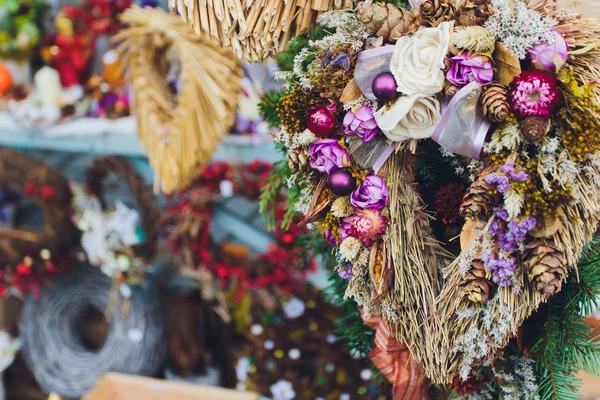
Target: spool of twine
54, 343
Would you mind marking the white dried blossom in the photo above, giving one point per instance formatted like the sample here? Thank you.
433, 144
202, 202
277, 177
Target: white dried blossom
361, 101
508, 137
362, 259
304, 138
302, 203
594, 160
282, 136
568, 170
350, 248
513, 202
518, 26
549, 145
342, 207
473, 345
474, 167
476, 39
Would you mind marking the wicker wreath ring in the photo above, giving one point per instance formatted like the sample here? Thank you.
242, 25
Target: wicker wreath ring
145, 198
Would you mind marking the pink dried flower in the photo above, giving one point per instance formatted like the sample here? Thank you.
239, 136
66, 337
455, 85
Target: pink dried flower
550, 56
534, 93
361, 123
366, 225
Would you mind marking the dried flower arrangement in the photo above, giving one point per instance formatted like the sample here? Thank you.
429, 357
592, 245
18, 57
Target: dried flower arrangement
118, 240
30, 258
408, 129
181, 83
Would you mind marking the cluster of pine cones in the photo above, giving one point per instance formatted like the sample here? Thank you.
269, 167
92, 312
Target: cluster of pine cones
390, 22
543, 261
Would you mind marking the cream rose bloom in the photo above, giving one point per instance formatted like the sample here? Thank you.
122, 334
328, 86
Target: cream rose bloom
418, 60
410, 117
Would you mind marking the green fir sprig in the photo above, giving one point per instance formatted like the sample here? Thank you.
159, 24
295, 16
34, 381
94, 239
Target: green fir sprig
565, 343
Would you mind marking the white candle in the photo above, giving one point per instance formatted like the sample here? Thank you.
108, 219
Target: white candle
47, 83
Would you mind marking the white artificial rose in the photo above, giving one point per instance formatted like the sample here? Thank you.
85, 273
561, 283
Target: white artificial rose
418, 60
410, 117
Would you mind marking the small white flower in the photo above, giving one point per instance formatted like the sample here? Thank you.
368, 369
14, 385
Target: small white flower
294, 308
282, 390
513, 202
8, 349
241, 369
350, 248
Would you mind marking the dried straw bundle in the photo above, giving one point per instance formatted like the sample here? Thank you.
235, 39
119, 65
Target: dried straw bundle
428, 310
169, 124
254, 29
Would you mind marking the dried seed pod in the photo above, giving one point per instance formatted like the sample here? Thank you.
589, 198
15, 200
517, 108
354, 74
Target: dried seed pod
534, 128
476, 286
474, 12
480, 199
434, 12
546, 266
494, 102
386, 20
298, 160
380, 271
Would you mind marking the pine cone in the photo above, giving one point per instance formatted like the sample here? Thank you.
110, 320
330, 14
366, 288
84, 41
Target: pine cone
534, 128
450, 91
298, 160
475, 285
434, 12
386, 20
494, 102
479, 200
545, 266
474, 12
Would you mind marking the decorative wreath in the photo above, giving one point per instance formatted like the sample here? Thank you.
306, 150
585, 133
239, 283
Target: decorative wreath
114, 238
254, 30
60, 332
187, 222
406, 129
185, 90
29, 258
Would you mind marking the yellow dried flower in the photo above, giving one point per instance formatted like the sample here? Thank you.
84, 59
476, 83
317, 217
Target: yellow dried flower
342, 207
350, 248
476, 39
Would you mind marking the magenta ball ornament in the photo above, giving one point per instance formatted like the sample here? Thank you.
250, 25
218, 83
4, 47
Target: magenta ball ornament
341, 182
385, 88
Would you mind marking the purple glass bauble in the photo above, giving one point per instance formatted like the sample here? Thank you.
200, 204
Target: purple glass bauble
341, 182
385, 88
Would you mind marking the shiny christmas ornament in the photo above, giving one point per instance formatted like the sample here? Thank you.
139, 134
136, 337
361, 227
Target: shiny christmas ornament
385, 87
321, 121
6, 80
341, 182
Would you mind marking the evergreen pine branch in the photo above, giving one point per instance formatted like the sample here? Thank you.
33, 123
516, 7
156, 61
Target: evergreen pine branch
269, 196
565, 343
268, 108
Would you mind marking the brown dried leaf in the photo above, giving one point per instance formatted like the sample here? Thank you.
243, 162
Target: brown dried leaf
508, 66
317, 204
384, 281
351, 92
